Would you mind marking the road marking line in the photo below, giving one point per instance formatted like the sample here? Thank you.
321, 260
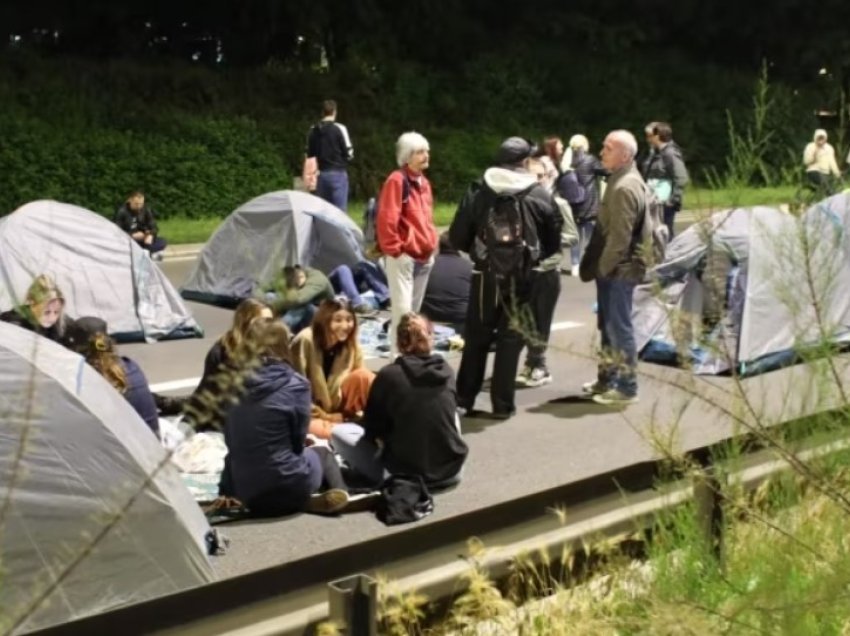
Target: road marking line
175, 385
567, 324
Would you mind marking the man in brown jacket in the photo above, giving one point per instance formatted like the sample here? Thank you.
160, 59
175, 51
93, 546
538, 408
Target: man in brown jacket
614, 262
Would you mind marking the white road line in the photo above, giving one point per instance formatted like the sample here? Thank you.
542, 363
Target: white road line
567, 324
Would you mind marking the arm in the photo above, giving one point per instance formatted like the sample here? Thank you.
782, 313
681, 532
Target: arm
150, 222
675, 168
551, 225
810, 154
123, 219
389, 215
316, 287
625, 207
569, 187
312, 149
347, 147
376, 418
301, 410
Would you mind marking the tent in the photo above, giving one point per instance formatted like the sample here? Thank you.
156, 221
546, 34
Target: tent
765, 270
74, 454
99, 268
265, 234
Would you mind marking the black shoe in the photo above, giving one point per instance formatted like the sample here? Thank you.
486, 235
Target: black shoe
498, 415
168, 405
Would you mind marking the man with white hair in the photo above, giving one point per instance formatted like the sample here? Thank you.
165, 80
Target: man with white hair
587, 171
405, 230
614, 262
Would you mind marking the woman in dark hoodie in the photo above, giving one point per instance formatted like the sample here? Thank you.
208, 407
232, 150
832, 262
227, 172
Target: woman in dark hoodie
410, 425
269, 468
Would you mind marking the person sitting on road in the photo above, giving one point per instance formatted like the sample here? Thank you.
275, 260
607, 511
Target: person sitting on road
364, 277
43, 310
295, 294
328, 354
269, 466
89, 337
410, 425
138, 220
224, 363
447, 294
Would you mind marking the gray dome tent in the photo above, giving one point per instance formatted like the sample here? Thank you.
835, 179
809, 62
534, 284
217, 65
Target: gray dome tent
101, 271
76, 457
774, 269
265, 234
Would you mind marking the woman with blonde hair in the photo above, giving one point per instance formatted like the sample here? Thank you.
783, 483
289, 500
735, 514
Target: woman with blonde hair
89, 337
411, 424
269, 467
43, 310
328, 354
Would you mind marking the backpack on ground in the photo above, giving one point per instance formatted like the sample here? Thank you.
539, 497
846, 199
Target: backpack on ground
510, 237
653, 235
370, 220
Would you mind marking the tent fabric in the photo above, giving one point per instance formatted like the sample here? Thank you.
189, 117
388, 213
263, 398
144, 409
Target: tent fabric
265, 234
101, 271
781, 265
84, 453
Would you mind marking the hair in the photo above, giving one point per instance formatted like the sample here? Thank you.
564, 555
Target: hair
135, 193
446, 246
41, 291
328, 107
579, 142
272, 339
100, 353
322, 323
289, 273
246, 315
407, 144
660, 128
820, 132
626, 140
550, 148
415, 334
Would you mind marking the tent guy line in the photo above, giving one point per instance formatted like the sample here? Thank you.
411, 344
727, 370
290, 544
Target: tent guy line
190, 383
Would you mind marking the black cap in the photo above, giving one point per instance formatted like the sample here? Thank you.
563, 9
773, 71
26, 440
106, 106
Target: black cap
515, 150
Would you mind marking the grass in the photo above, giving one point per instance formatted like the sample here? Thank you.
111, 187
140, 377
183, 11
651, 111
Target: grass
180, 230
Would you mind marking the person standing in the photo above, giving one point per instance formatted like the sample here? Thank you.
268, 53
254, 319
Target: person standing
587, 170
821, 167
508, 224
405, 230
328, 142
664, 170
613, 260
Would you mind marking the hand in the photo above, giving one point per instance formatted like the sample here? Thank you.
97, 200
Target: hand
148, 239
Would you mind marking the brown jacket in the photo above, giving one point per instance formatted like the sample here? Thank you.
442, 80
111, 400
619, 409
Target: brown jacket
621, 208
307, 359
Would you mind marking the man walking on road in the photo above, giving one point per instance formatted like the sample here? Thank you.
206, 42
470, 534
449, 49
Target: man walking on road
328, 142
613, 260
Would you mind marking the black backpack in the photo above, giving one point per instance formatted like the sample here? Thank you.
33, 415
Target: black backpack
509, 236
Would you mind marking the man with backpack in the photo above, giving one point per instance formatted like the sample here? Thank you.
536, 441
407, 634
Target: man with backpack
617, 260
507, 222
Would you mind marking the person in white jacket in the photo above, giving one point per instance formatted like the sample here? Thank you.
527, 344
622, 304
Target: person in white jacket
819, 160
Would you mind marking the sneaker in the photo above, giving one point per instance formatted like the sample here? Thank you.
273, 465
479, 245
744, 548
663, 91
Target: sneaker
523, 376
538, 377
594, 388
328, 502
614, 397
574, 271
365, 311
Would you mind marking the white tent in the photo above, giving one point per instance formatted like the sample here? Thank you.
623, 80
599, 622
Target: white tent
74, 453
101, 271
265, 234
783, 266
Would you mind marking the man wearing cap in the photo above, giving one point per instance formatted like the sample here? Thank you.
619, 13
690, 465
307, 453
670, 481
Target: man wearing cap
821, 167
495, 307
614, 262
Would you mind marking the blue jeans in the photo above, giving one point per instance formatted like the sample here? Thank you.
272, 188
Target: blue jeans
585, 229
619, 355
332, 186
364, 456
350, 281
298, 318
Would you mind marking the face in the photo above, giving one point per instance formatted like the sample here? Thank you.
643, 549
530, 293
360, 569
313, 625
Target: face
612, 154
651, 139
536, 168
419, 160
342, 324
136, 202
300, 277
820, 141
50, 313
559, 147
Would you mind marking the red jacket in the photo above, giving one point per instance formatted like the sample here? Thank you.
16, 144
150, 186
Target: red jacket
406, 227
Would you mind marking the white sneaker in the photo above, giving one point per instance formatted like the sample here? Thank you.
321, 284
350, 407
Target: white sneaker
574, 271
523, 376
594, 388
614, 397
538, 377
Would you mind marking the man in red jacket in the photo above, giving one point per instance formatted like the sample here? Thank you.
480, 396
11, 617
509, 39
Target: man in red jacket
405, 228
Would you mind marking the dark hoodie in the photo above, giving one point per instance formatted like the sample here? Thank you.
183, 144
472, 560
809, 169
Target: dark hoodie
412, 407
265, 435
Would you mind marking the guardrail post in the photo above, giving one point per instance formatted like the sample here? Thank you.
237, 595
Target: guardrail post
708, 500
353, 604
